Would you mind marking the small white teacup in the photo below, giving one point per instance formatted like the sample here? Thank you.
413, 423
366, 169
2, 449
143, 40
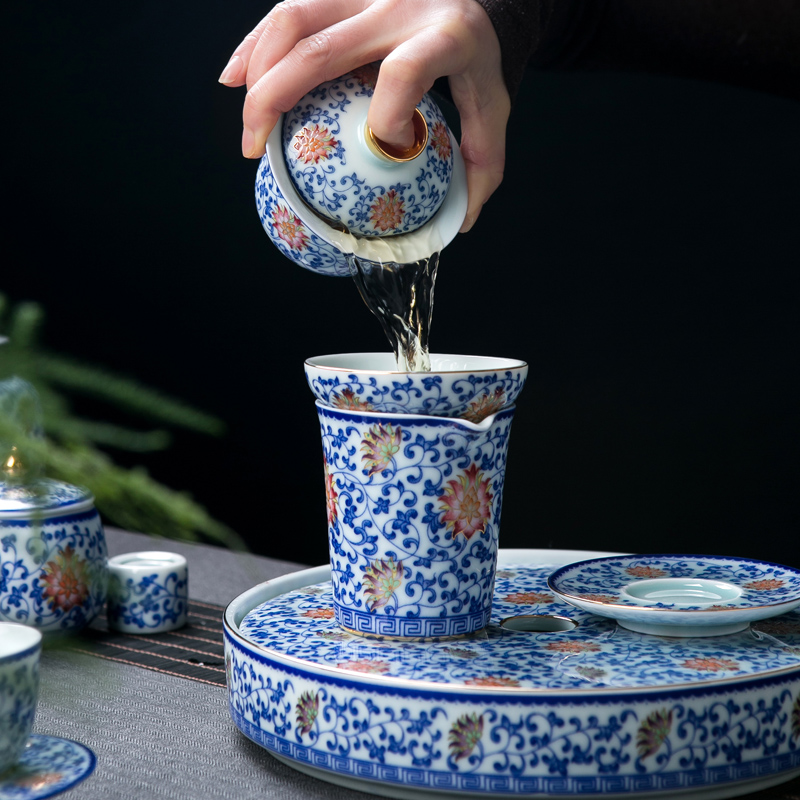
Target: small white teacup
20, 647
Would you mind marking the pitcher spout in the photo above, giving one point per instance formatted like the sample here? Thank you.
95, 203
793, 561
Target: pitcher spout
486, 423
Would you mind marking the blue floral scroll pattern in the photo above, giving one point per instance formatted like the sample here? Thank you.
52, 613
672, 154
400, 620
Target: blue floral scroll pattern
388, 521
33, 560
585, 744
416, 393
148, 601
289, 234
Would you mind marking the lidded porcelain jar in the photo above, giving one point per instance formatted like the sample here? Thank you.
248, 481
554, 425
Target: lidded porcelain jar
53, 560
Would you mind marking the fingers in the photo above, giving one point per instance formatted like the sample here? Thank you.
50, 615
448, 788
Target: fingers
276, 34
302, 43
322, 56
484, 106
483, 136
406, 74
289, 24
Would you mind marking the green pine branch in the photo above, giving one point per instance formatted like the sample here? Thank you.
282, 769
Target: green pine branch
70, 448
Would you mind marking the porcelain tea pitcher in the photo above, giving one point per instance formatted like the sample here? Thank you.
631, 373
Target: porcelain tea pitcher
413, 507
327, 187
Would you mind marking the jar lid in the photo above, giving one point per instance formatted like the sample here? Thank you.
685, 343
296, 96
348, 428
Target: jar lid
44, 496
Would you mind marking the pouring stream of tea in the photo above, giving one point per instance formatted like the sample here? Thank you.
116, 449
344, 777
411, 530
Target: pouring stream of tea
400, 295
397, 287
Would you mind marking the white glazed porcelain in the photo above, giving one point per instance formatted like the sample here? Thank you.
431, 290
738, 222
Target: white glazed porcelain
52, 556
314, 243
20, 647
680, 595
341, 172
589, 709
471, 387
148, 592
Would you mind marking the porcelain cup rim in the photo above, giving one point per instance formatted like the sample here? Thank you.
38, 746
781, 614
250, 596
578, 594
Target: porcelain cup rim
169, 560
498, 363
24, 641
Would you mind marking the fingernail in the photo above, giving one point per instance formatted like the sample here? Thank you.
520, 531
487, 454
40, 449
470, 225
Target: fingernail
231, 71
468, 222
248, 142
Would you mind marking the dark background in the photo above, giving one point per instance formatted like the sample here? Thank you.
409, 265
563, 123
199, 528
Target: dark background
641, 255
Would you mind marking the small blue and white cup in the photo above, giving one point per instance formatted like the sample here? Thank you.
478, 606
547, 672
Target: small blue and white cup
148, 592
20, 647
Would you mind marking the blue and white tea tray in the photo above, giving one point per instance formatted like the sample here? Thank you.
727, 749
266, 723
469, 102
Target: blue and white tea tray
548, 700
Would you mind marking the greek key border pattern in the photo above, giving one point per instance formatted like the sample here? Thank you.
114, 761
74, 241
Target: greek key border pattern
411, 627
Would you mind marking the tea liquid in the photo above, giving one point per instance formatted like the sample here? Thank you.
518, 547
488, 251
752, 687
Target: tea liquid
400, 295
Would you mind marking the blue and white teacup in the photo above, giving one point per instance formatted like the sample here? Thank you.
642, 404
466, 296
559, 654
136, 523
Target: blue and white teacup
20, 647
413, 506
148, 592
52, 556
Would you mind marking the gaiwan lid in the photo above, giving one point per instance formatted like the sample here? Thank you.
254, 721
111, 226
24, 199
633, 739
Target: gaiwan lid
350, 177
45, 497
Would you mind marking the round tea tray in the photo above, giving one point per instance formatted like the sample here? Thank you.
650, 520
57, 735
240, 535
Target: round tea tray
549, 700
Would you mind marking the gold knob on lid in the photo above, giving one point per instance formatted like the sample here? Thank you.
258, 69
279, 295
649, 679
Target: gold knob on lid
400, 154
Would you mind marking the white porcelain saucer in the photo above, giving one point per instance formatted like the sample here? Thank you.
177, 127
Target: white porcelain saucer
48, 766
679, 595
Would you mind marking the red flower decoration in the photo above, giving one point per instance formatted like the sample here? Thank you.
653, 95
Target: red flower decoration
485, 405
465, 734
492, 680
289, 228
765, 585
314, 143
653, 732
440, 140
528, 598
350, 400
319, 613
381, 581
467, 503
379, 445
710, 664
573, 647
366, 666
645, 572
67, 580
330, 495
386, 213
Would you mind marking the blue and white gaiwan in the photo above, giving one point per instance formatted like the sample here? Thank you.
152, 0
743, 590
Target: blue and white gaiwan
327, 188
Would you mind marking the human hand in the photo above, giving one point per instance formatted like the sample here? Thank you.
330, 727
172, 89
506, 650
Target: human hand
302, 43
